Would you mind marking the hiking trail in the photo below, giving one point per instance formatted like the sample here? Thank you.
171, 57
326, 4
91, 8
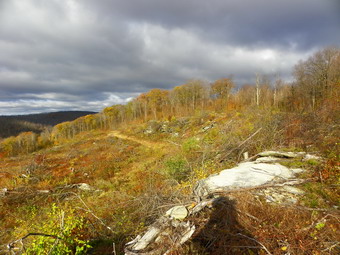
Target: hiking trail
149, 144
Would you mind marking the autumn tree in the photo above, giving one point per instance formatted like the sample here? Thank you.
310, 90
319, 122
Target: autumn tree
9, 146
157, 99
112, 115
245, 95
267, 91
318, 76
221, 90
25, 142
179, 99
28, 142
44, 139
197, 93
189, 97
142, 102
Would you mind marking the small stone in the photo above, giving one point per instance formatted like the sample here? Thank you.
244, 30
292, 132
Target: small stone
43, 191
206, 128
85, 187
269, 199
177, 212
291, 200
293, 190
297, 170
148, 131
3, 192
311, 157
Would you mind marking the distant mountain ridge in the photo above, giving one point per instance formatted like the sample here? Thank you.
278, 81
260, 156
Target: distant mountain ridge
15, 124
49, 118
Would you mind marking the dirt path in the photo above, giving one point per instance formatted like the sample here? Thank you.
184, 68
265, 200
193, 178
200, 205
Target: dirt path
149, 144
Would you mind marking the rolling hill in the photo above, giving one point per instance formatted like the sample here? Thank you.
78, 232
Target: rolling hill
15, 124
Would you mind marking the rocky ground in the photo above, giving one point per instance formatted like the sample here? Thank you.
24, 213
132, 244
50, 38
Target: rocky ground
265, 177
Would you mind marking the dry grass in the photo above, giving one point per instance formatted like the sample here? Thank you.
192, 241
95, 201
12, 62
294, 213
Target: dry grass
245, 225
135, 187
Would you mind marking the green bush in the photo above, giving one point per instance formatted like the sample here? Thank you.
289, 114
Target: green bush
177, 168
66, 234
190, 145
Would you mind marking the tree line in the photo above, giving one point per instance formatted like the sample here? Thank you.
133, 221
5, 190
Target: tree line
316, 86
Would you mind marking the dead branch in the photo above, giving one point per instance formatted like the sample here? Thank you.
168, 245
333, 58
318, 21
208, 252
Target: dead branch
334, 245
114, 249
249, 215
11, 245
90, 211
250, 137
264, 247
169, 141
311, 209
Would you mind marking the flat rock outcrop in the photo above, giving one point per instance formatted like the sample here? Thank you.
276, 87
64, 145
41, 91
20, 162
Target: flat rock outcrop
245, 175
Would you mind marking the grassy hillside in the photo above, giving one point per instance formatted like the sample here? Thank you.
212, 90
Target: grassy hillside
139, 171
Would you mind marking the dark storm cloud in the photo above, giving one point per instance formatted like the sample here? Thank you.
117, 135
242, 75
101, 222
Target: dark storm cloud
244, 22
68, 54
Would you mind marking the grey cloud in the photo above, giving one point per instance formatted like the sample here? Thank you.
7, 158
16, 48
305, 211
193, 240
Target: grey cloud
59, 102
248, 23
89, 54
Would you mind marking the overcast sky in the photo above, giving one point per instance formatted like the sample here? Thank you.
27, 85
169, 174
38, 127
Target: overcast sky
89, 54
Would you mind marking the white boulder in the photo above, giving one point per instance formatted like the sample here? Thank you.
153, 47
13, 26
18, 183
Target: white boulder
244, 175
177, 212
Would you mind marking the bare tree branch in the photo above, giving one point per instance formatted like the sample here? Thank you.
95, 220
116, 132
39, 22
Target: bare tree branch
11, 245
253, 239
